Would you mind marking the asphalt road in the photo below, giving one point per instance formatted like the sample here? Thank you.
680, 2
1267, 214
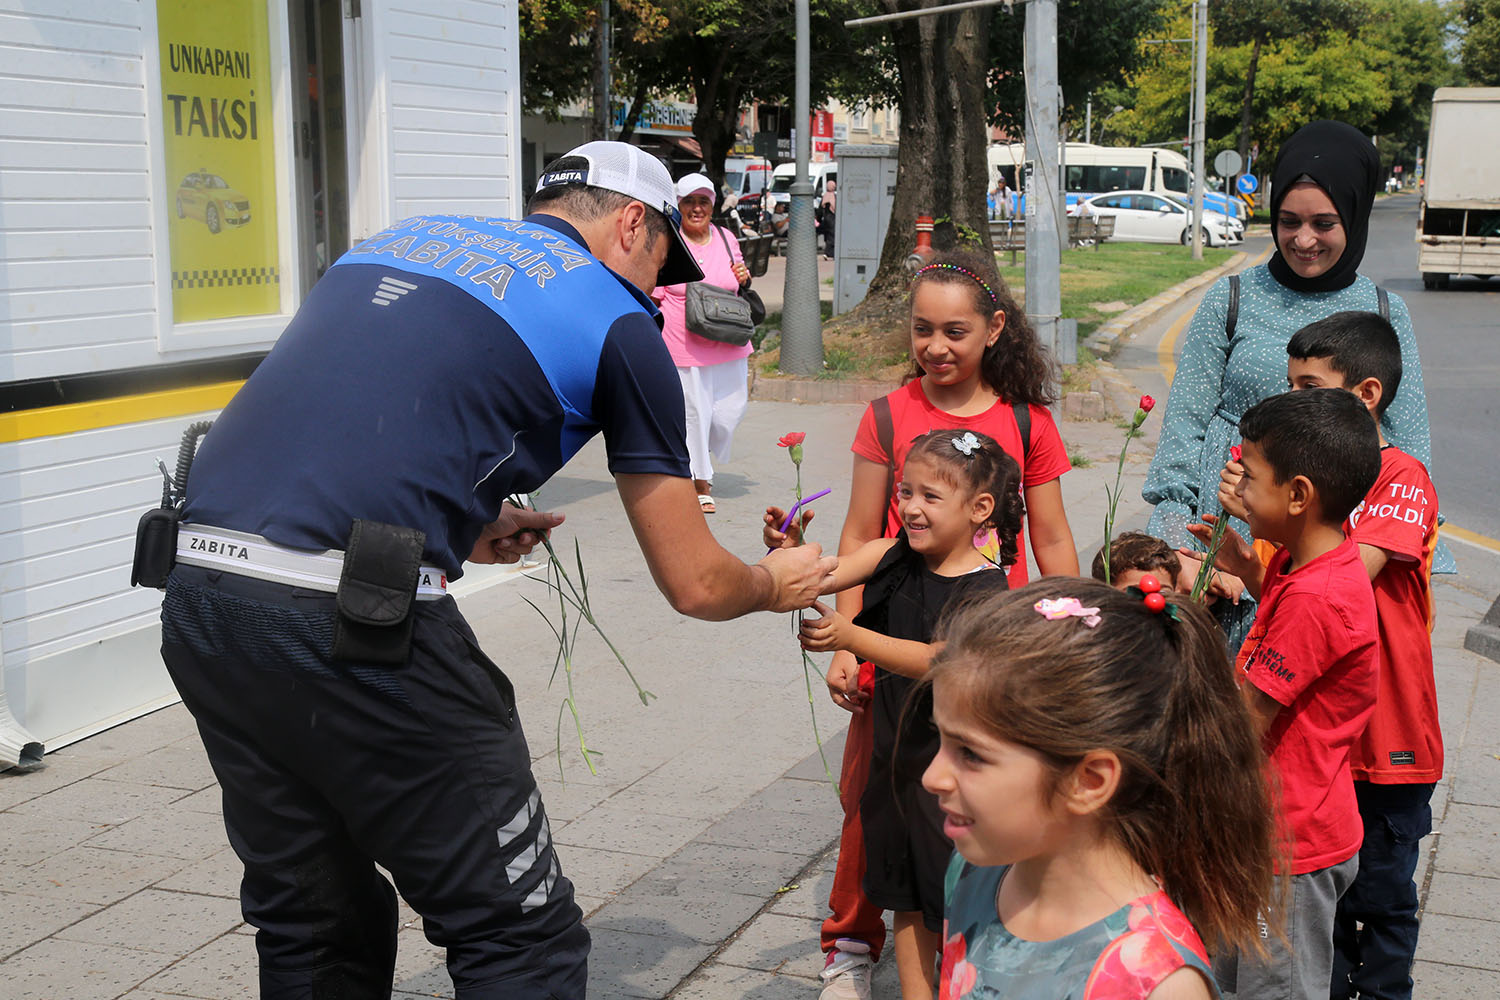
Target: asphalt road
1459, 333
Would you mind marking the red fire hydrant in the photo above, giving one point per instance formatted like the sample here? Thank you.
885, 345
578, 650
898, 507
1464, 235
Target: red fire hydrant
923, 251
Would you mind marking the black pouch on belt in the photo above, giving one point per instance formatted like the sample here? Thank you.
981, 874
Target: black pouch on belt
376, 590
155, 547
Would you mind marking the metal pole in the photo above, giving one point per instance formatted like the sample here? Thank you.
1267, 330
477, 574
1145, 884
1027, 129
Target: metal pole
1043, 184
1088, 120
927, 12
801, 317
1200, 93
601, 75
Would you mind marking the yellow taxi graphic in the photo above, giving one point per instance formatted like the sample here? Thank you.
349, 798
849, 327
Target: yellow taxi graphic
209, 197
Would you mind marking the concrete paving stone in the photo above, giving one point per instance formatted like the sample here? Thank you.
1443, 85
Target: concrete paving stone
219, 874
1463, 896
1470, 843
1454, 982
566, 801
589, 904
179, 765
809, 899
56, 969
811, 767
705, 920
172, 923
715, 868
208, 800
646, 962
777, 943
421, 966
97, 801
135, 738
171, 832
1459, 941
727, 982
55, 771
25, 920
224, 969
630, 830
814, 798
89, 874
1476, 775
30, 839
598, 872
798, 834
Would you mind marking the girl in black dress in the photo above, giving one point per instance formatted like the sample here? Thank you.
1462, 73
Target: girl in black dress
954, 485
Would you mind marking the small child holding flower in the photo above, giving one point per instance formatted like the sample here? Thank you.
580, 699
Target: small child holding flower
954, 486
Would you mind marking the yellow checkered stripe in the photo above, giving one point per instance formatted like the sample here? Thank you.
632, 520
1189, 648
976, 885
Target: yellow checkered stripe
226, 277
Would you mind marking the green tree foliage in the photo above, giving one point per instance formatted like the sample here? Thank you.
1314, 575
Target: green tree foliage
1481, 42
1379, 78
1098, 47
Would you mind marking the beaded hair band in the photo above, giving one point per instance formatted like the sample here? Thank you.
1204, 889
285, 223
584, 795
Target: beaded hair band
962, 270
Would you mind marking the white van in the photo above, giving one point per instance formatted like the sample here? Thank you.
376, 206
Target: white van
783, 175
1092, 170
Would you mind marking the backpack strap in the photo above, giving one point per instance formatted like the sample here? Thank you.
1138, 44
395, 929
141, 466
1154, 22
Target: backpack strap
885, 436
1023, 424
1385, 303
1232, 317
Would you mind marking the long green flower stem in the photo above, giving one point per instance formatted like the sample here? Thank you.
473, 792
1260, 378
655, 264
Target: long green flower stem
1206, 571
576, 595
1113, 496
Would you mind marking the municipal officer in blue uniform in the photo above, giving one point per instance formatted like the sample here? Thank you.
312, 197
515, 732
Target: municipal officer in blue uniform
437, 368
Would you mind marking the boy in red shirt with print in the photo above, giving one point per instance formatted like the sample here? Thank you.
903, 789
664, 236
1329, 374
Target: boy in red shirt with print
1400, 756
1310, 662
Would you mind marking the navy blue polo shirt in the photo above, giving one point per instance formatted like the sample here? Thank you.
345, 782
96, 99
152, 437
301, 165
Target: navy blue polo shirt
438, 367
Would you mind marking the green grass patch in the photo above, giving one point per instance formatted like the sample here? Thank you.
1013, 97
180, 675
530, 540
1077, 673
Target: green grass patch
1125, 272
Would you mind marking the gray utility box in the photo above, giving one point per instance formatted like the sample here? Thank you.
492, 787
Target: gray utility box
867, 186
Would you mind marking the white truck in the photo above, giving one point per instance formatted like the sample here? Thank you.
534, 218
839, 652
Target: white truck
1458, 226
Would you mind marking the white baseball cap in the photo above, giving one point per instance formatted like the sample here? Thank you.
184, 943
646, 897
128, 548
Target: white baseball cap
635, 173
692, 184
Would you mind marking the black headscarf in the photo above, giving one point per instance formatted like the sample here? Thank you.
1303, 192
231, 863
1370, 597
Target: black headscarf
1345, 165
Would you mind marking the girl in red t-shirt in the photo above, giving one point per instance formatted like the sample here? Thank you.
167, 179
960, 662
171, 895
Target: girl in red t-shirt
976, 365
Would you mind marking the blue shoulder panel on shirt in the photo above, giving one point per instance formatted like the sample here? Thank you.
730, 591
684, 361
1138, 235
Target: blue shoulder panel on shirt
550, 290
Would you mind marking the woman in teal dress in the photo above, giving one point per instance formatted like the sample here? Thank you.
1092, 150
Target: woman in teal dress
1323, 187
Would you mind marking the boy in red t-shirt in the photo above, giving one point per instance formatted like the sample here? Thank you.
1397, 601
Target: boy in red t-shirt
1400, 756
1309, 664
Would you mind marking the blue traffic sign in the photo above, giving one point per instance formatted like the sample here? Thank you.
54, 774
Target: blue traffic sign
1247, 184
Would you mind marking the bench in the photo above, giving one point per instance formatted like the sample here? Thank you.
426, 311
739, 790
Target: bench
757, 253
1010, 234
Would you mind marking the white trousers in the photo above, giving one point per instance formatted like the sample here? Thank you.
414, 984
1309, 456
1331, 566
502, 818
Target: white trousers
715, 397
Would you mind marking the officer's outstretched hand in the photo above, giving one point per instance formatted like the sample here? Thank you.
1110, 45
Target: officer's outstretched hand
798, 575
513, 534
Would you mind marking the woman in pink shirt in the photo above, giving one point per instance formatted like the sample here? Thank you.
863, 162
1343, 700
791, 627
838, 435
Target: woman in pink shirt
715, 376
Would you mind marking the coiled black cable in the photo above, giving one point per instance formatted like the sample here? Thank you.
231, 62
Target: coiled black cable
185, 453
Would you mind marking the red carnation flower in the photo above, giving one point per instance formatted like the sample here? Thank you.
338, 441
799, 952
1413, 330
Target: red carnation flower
795, 437
1234, 453
1147, 403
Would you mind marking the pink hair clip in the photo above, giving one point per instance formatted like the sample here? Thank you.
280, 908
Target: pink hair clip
1066, 607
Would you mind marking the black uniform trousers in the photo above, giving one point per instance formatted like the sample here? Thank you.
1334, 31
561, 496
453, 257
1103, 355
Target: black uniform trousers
329, 768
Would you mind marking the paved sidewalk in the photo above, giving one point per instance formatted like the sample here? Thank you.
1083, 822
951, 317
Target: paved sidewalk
701, 851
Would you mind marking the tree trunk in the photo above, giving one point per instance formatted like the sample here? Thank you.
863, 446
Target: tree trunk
632, 116
718, 103
942, 167
1260, 40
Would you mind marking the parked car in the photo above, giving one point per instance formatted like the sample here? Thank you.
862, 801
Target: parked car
209, 197
1143, 217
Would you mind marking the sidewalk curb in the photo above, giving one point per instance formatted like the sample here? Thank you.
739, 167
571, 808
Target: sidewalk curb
816, 390
1484, 638
1103, 340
